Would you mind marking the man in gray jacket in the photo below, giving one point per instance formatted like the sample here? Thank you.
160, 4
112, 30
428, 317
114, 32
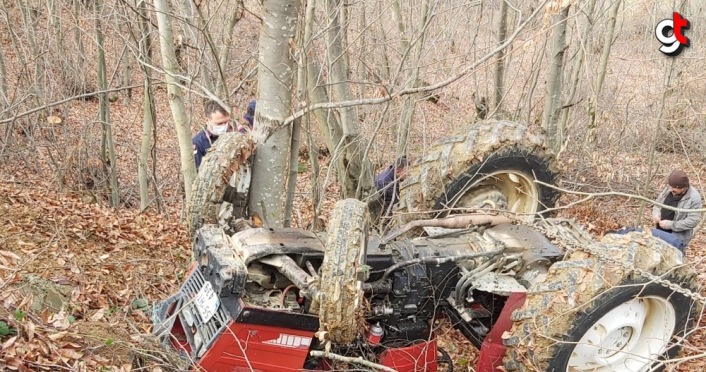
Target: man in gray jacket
678, 194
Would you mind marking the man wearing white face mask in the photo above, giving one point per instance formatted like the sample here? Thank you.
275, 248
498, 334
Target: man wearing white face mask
217, 123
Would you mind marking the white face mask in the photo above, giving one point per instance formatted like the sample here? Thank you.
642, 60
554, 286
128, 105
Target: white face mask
217, 130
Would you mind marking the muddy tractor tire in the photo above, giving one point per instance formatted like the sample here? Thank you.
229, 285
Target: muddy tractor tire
595, 315
343, 271
220, 191
491, 164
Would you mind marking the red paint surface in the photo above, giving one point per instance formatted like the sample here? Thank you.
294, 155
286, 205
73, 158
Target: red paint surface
249, 347
493, 350
420, 357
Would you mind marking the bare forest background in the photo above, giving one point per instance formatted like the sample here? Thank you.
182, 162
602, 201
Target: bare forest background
99, 99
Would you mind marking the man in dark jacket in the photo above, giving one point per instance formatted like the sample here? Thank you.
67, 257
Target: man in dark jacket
678, 194
217, 122
249, 118
674, 227
388, 183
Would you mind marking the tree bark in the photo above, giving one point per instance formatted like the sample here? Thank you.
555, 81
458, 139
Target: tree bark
359, 177
80, 55
602, 69
273, 140
37, 85
576, 69
412, 77
176, 104
193, 22
4, 100
107, 145
500, 57
236, 16
554, 77
145, 48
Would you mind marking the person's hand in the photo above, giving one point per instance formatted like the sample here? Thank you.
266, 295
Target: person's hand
665, 224
656, 219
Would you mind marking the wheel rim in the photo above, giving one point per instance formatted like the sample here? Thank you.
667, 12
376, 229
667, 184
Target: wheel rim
507, 190
630, 337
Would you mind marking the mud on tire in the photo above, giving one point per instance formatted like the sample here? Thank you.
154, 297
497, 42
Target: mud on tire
490, 162
222, 183
341, 274
589, 314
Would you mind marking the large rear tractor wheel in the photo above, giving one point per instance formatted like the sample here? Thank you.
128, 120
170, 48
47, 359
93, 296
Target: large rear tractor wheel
220, 191
589, 314
489, 165
343, 271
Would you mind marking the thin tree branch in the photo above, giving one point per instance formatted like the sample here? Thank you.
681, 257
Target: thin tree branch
359, 360
423, 89
590, 195
32, 111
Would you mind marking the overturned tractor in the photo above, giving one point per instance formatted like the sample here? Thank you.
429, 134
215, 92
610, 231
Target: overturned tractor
530, 293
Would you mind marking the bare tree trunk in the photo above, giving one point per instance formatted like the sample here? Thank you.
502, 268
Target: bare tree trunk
54, 18
147, 125
359, 177
171, 68
582, 35
126, 80
107, 146
236, 16
4, 100
361, 66
273, 141
28, 20
413, 64
554, 77
314, 158
145, 48
80, 55
192, 21
666, 90
327, 123
303, 46
293, 171
600, 77
500, 57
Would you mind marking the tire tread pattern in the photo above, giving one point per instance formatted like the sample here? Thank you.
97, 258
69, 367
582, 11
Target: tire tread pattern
428, 177
574, 286
224, 158
341, 308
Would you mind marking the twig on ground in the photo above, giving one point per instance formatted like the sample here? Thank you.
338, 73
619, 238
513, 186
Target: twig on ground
589, 195
345, 359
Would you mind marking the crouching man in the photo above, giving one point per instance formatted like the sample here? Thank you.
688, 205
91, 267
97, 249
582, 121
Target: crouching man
680, 195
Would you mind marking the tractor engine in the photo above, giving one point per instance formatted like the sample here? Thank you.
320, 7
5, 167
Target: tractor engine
257, 290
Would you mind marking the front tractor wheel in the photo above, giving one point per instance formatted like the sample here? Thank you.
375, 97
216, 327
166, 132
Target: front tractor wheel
220, 191
343, 272
593, 315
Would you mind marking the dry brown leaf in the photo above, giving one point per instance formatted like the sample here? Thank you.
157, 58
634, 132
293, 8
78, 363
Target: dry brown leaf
30, 331
98, 315
6, 345
53, 119
57, 336
70, 354
11, 254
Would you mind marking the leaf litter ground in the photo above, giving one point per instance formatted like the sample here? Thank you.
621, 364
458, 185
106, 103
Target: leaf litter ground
85, 265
